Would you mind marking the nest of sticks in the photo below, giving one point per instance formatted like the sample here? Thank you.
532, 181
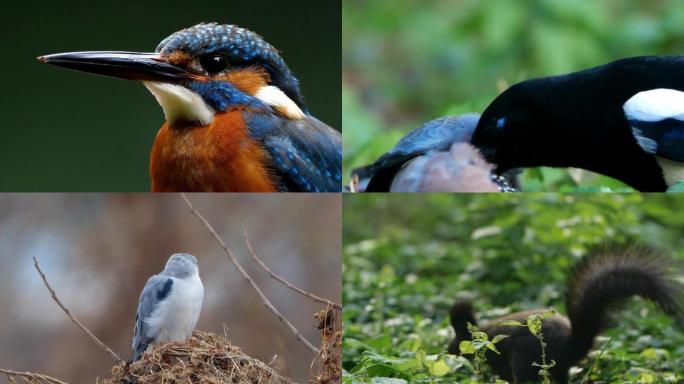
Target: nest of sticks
203, 358
329, 358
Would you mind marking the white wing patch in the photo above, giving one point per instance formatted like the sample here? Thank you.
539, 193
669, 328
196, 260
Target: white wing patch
180, 103
277, 99
655, 105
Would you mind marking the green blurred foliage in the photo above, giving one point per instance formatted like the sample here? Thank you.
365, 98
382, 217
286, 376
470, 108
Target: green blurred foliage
410, 61
407, 257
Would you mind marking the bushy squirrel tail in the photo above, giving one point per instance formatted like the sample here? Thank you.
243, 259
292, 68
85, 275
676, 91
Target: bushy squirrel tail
601, 282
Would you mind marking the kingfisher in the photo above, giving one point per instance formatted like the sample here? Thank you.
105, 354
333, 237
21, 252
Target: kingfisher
236, 120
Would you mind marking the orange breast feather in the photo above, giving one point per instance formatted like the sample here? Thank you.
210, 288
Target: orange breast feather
218, 157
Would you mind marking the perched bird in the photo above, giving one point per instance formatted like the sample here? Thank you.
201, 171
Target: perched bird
624, 119
235, 116
435, 157
170, 304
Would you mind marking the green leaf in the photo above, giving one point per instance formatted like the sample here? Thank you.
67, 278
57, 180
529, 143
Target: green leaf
498, 338
492, 348
439, 368
466, 347
549, 313
510, 323
534, 324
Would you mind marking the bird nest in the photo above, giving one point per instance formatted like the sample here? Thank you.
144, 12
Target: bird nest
204, 358
329, 358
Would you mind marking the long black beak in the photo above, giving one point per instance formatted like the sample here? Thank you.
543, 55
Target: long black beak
124, 65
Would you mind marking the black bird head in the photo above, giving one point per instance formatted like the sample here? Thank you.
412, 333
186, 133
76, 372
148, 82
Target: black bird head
507, 120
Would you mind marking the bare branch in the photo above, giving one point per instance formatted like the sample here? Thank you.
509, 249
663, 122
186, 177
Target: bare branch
282, 279
244, 273
31, 377
87, 331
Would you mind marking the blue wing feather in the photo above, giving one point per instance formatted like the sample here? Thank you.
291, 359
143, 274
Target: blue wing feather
306, 153
663, 138
156, 290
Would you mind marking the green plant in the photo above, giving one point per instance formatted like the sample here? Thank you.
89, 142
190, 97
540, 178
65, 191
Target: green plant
478, 346
406, 258
534, 325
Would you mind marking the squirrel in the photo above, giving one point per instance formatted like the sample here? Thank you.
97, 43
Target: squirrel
597, 286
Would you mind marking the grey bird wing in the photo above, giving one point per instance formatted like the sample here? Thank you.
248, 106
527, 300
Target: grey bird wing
156, 290
434, 136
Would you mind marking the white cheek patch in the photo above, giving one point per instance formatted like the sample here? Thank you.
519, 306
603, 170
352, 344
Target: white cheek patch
655, 105
277, 99
180, 103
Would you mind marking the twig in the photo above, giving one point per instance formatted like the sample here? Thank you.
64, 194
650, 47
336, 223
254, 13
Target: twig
593, 363
97, 341
30, 377
282, 279
244, 273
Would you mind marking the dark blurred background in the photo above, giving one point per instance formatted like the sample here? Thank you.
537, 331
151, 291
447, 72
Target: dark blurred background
69, 131
407, 62
98, 250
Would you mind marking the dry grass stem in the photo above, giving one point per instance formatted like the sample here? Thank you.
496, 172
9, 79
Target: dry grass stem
30, 377
203, 358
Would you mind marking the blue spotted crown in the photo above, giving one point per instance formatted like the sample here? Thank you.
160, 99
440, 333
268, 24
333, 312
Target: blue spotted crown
240, 46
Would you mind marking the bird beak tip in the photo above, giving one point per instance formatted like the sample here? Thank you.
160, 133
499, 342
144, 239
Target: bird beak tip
119, 64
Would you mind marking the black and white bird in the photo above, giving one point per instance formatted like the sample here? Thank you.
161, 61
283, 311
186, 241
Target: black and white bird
170, 304
624, 119
435, 157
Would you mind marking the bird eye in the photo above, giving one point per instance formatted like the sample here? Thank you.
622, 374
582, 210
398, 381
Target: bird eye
213, 63
500, 123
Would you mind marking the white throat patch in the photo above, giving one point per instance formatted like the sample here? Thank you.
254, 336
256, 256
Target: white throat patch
180, 103
277, 99
673, 171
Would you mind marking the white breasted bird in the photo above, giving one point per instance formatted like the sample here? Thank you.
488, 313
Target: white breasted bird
170, 304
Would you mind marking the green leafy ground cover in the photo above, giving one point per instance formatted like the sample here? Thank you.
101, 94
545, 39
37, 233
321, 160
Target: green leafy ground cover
406, 62
406, 259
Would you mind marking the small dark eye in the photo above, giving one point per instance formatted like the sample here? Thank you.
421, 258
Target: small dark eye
501, 122
213, 63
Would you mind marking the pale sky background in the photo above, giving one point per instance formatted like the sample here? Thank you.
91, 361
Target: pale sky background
98, 250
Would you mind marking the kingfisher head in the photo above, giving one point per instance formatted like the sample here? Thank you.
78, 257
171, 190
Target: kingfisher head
200, 71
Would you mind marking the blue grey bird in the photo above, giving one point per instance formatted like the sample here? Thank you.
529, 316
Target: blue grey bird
170, 304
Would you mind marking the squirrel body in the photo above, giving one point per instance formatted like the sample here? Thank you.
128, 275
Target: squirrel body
598, 285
